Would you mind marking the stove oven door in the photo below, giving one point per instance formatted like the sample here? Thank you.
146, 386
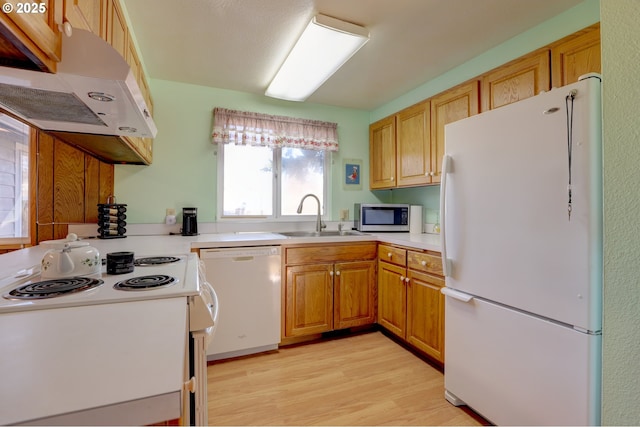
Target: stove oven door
203, 317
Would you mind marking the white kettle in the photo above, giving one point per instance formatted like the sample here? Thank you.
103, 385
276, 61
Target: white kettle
69, 257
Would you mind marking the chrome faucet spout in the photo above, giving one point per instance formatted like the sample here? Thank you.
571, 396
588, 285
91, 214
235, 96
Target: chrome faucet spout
319, 224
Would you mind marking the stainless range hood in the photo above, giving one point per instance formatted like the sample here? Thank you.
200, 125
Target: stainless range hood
94, 92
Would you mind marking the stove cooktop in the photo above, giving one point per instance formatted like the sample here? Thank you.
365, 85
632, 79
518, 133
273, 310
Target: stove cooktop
25, 290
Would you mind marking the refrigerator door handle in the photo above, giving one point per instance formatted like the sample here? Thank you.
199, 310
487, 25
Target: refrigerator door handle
461, 296
446, 264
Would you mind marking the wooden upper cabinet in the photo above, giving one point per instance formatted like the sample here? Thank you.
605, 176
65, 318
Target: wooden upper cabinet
413, 148
517, 80
133, 61
117, 31
455, 104
34, 35
90, 15
382, 153
576, 55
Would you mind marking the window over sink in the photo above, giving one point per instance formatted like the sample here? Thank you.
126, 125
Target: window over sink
14, 180
265, 182
266, 164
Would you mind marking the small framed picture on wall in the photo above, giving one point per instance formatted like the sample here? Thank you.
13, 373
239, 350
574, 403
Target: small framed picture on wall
352, 174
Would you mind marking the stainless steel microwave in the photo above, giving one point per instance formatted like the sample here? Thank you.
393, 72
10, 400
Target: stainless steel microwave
381, 217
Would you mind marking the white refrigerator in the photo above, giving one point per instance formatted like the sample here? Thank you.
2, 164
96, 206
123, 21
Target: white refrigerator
521, 231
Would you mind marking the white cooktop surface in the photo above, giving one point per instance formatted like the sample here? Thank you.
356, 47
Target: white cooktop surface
184, 271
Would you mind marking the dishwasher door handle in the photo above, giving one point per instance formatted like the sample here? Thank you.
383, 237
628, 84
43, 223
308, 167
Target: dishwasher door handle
243, 258
239, 253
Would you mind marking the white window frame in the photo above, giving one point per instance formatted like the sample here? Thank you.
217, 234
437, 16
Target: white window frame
22, 151
277, 214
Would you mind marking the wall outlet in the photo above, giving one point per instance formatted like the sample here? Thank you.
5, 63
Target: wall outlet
344, 214
170, 217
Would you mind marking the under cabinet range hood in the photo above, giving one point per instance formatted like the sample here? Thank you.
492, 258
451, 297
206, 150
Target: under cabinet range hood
93, 92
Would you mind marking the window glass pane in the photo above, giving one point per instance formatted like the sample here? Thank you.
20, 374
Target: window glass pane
248, 184
302, 173
14, 178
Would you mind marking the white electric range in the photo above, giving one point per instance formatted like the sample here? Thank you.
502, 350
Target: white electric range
121, 356
152, 278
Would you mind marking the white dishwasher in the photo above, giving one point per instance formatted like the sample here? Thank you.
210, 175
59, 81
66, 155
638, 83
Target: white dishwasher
247, 283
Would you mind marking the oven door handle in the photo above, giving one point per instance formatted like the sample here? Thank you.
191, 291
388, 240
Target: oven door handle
213, 307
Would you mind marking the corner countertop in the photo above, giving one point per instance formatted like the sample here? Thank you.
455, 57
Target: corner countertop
177, 244
104, 333
216, 240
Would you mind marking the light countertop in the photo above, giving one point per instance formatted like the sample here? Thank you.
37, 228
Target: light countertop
177, 244
127, 362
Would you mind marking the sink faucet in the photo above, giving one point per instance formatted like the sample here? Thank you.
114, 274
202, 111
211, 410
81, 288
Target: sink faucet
319, 224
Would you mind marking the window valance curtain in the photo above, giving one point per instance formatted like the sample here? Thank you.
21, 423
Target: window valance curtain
246, 128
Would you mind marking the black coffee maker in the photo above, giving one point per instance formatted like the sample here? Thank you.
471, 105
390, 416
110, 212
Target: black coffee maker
189, 221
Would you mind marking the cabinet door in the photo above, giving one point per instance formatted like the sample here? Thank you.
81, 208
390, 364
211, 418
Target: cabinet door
117, 31
308, 299
382, 153
520, 79
413, 161
425, 314
88, 15
575, 57
450, 106
354, 298
392, 298
35, 35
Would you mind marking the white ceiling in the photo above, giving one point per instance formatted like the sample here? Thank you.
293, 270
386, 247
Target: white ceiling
240, 44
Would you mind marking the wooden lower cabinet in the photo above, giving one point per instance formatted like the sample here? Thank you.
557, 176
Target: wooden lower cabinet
328, 287
425, 314
392, 298
309, 299
410, 304
354, 296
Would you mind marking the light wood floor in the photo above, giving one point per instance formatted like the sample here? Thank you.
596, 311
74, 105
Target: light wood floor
365, 379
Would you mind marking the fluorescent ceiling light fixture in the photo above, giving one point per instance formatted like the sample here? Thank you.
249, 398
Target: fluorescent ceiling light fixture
325, 45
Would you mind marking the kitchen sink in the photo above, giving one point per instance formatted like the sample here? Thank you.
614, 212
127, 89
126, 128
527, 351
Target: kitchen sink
322, 233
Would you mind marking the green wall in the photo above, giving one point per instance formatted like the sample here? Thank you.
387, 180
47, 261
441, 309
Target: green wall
183, 172
620, 34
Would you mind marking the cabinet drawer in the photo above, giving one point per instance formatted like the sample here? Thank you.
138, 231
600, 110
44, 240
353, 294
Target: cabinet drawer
428, 263
340, 252
393, 255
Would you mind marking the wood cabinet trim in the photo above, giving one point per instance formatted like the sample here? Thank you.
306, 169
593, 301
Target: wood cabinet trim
585, 42
382, 153
392, 255
318, 253
536, 66
413, 145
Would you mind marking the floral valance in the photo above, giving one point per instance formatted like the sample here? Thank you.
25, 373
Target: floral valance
246, 128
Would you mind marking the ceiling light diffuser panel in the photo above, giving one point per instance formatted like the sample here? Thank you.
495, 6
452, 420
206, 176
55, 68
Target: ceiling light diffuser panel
325, 45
